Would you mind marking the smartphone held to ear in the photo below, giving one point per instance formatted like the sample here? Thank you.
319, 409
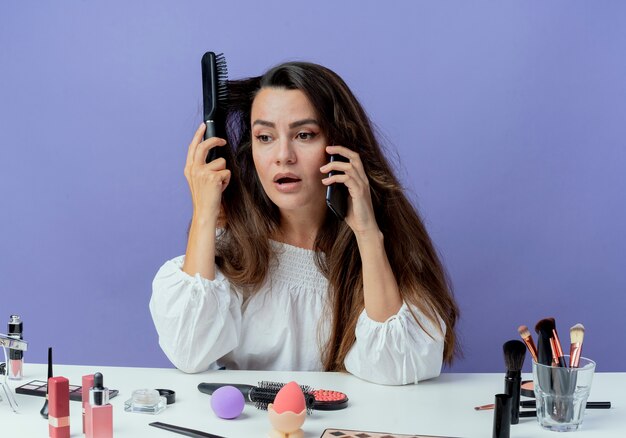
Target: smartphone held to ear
337, 193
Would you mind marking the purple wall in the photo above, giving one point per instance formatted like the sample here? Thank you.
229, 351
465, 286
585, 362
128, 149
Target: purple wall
508, 118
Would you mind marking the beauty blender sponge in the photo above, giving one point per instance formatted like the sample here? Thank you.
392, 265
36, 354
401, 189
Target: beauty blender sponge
289, 398
227, 402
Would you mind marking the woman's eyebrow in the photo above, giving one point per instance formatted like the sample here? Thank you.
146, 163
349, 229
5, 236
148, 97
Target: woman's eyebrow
303, 122
263, 123
291, 125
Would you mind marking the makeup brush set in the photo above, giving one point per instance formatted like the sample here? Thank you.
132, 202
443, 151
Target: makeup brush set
549, 364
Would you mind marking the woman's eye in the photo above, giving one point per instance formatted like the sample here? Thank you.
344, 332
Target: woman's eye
263, 138
305, 135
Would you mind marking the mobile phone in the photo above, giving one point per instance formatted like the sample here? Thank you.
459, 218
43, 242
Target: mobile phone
337, 193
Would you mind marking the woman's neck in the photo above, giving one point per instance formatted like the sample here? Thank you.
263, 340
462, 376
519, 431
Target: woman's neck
298, 231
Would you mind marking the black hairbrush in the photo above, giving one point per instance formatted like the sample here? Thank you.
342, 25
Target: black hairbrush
214, 98
265, 393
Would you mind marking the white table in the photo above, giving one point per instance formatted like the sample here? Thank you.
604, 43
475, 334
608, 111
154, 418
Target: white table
443, 406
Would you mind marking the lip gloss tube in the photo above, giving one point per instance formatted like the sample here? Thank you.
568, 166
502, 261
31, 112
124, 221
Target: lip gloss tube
98, 413
58, 407
16, 357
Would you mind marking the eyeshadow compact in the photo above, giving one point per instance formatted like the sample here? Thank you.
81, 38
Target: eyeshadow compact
346, 433
39, 388
528, 388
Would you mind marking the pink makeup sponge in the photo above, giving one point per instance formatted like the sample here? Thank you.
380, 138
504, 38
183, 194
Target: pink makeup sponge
227, 402
289, 398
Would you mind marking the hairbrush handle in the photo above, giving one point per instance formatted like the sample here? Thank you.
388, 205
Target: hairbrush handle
210, 131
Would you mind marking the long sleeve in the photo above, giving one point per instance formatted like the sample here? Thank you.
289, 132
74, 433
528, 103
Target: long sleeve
198, 320
397, 351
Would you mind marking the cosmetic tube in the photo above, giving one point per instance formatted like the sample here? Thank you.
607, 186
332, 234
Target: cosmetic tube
16, 357
59, 407
502, 416
98, 413
87, 383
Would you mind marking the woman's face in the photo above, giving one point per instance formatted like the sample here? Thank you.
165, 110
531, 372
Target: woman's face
288, 149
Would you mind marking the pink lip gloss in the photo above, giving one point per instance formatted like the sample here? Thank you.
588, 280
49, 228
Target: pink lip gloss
16, 357
98, 413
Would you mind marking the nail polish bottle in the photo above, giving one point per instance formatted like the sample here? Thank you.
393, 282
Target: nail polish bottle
98, 413
16, 357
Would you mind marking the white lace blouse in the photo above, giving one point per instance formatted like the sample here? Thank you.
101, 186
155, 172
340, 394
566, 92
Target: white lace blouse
207, 324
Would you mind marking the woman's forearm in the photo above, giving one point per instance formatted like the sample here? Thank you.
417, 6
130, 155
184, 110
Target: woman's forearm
380, 288
200, 254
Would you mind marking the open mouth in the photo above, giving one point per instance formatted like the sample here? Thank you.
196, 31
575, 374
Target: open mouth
287, 180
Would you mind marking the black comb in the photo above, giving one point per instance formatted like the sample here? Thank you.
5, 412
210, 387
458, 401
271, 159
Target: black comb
214, 98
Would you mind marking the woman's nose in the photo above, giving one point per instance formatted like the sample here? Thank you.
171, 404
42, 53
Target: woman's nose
285, 153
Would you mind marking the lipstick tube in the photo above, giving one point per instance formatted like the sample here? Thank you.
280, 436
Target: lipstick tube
58, 407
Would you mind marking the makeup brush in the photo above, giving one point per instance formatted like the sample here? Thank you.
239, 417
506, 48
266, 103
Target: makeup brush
44, 409
533, 403
547, 350
528, 340
558, 351
514, 354
576, 334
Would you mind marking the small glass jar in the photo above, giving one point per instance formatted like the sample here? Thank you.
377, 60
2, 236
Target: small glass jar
145, 401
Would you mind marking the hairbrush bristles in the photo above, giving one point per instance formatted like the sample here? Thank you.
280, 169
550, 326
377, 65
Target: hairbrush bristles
514, 354
222, 79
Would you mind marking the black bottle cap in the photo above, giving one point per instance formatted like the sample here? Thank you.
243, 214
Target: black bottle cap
98, 381
98, 394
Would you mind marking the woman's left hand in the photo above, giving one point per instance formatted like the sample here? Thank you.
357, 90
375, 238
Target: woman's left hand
360, 215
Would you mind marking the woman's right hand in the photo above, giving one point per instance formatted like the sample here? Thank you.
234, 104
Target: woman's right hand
206, 181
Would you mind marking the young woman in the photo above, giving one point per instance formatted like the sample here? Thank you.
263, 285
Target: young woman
271, 278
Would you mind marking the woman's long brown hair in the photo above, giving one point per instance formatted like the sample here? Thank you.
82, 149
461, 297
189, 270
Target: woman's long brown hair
250, 219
